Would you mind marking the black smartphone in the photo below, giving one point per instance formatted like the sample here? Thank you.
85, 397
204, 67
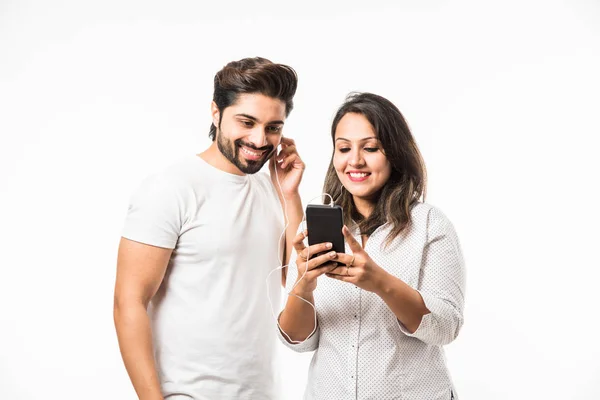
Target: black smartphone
324, 224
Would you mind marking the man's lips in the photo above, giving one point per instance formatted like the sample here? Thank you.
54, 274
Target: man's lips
251, 154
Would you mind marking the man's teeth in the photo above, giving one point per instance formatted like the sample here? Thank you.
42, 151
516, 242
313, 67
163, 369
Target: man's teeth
252, 153
358, 175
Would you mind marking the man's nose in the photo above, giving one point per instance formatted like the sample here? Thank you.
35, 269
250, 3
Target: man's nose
257, 137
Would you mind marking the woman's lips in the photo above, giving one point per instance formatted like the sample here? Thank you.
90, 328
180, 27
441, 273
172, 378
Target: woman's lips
356, 176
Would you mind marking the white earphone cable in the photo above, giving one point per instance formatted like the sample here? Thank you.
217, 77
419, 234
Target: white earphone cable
282, 238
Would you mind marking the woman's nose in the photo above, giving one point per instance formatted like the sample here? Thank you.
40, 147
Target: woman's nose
356, 159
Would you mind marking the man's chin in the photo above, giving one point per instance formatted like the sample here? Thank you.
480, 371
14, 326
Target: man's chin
251, 166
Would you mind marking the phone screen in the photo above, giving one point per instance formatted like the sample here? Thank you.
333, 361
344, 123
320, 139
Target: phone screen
324, 224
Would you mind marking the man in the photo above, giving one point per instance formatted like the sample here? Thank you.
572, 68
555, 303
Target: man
191, 310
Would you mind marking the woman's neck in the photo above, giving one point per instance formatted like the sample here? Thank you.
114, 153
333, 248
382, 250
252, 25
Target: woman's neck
364, 207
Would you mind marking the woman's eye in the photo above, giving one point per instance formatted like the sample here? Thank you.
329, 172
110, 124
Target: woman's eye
371, 149
344, 149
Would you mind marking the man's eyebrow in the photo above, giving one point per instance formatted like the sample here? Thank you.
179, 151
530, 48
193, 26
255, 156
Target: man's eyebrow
250, 117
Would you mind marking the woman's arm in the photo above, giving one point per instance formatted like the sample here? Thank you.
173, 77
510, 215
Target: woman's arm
441, 285
433, 311
405, 302
297, 320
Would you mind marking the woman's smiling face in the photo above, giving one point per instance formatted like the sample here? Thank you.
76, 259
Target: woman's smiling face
358, 159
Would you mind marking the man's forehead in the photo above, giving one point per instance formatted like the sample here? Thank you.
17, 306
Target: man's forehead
259, 107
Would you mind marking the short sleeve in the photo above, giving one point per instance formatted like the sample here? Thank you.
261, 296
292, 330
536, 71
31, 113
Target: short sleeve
155, 215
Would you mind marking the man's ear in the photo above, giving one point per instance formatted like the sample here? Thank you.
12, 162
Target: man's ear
216, 114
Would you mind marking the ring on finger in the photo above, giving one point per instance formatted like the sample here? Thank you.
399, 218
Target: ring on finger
351, 262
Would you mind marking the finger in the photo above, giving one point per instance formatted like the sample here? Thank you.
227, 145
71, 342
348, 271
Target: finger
318, 248
298, 241
341, 270
320, 260
344, 278
286, 141
352, 243
313, 250
322, 270
344, 258
286, 151
290, 160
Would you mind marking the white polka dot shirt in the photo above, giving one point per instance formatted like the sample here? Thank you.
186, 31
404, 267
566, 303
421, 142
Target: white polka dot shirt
361, 349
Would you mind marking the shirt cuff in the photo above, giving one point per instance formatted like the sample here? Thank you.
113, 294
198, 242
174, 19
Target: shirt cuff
141, 237
428, 322
309, 344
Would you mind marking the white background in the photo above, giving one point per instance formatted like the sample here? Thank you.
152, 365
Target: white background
503, 99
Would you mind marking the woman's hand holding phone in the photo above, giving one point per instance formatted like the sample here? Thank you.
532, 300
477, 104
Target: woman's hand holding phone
310, 267
359, 268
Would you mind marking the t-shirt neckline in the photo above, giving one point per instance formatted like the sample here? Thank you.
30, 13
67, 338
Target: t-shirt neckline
220, 173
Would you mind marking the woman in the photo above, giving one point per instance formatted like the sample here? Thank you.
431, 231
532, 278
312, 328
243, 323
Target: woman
385, 309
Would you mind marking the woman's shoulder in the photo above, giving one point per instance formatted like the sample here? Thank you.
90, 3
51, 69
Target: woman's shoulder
428, 214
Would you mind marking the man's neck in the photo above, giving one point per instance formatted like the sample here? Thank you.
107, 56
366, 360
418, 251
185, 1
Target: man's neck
214, 157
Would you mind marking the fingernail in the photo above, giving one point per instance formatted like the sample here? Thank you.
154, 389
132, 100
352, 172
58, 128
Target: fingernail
329, 245
332, 254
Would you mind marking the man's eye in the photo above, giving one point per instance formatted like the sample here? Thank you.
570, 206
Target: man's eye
248, 124
371, 149
274, 129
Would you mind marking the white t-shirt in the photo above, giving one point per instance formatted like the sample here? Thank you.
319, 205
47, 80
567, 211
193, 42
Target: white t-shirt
212, 326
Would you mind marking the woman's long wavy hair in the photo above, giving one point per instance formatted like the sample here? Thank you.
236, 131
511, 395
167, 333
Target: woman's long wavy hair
407, 182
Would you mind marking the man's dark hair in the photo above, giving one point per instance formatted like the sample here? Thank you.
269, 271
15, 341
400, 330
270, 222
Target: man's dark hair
253, 75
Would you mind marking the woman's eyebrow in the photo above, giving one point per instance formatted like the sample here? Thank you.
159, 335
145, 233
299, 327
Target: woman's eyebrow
360, 140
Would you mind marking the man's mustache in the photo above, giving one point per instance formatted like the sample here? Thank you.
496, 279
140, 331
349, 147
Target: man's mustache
253, 147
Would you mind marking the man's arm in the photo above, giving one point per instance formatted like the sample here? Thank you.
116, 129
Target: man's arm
140, 270
287, 167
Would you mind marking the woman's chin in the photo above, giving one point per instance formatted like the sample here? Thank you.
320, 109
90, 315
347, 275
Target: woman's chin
361, 194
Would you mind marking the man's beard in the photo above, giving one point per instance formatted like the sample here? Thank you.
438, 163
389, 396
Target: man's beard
231, 151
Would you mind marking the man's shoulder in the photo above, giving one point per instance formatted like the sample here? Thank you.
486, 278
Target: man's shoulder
179, 175
183, 168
